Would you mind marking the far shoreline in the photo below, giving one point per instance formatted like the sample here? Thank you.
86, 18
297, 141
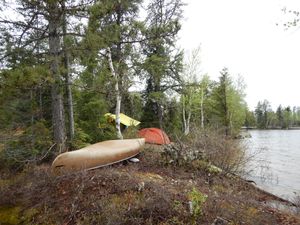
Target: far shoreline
273, 128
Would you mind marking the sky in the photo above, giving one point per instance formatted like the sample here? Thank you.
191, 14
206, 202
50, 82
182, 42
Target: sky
243, 36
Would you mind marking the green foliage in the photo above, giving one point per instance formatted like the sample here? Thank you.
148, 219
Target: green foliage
80, 140
173, 114
262, 112
287, 117
197, 200
163, 63
250, 120
144, 49
31, 145
133, 105
279, 115
228, 104
21, 96
283, 118
94, 127
150, 115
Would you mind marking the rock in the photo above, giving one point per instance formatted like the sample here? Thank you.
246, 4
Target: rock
243, 135
220, 221
141, 186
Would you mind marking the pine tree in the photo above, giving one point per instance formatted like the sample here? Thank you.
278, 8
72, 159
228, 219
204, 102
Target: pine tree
228, 104
38, 32
162, 64
262, 113
113, 29
279, 115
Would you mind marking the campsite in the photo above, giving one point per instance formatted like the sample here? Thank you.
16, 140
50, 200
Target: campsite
147, 112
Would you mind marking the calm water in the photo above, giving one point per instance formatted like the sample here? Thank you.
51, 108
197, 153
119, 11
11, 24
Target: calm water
276, 165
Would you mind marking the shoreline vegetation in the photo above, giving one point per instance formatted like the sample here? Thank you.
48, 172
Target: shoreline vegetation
270, 128
182, 183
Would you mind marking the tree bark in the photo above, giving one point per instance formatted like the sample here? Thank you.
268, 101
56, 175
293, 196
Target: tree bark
56, 91
160, 115
186, 121
183, 114
68, 78
201, 108
118, 94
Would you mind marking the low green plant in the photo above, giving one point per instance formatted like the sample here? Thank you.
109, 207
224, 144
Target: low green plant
197, 200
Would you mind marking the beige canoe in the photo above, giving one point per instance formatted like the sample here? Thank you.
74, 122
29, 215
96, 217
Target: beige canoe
98, 155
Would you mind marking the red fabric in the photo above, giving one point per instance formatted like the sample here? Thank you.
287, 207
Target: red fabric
154, 136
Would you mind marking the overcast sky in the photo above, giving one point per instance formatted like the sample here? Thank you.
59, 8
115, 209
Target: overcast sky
242, 35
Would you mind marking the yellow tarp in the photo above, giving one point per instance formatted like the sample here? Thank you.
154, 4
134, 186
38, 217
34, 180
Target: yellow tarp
126, 120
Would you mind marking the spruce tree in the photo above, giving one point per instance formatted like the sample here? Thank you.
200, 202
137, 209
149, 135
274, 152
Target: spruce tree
162, 64
38, 30
228, 104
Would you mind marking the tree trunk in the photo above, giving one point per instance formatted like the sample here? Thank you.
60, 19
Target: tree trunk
183, 114
187, 131
201, 108
158, 104
160, 115
68, 79
118, 94
226, 111
56, 91
69, 100
186, 121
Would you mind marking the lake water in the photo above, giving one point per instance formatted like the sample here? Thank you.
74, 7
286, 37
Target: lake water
276, 165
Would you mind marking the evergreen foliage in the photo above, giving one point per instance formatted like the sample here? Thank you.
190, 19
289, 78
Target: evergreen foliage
56, 77
283, 118
162, 63
228, 105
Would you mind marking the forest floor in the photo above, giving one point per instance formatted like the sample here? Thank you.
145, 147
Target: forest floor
148, 192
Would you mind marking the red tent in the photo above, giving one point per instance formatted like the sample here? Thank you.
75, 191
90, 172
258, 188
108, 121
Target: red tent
154, 136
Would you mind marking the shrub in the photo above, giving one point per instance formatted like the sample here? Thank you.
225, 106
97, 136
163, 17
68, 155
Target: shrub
197, 200
226, 153
80, 140
31, 145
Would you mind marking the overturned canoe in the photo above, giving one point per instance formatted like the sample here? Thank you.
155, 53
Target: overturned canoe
98, 155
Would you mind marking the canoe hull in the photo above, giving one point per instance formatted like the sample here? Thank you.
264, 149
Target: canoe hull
98, 155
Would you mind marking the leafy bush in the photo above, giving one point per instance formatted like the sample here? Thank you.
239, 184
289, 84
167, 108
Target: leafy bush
80, 140
31, 145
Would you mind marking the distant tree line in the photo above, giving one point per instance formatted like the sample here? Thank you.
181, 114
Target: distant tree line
263, 117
